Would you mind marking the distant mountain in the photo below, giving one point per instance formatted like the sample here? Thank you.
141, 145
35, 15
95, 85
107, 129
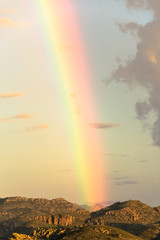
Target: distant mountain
94, 207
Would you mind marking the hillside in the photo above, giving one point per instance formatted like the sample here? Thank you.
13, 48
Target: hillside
127, 212
83, 233
132, 216
18, 213
61, 219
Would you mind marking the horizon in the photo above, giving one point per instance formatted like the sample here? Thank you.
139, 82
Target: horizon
104, 204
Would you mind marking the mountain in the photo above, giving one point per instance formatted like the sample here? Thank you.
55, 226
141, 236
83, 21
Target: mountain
17, 213
127, 212
29, 218
132, 216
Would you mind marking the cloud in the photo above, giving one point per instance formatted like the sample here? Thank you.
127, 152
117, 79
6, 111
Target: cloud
136, 4
143, 161
22, 116
129, 27
5, 120
7, 10
121, 178
18, 116
144, 69
103, 125
9, 23
125, 183
11, 94
124, 180
124, 155
37, 127
6, 22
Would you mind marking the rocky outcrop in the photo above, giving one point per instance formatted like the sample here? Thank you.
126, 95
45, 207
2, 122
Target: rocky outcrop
30, 213
129, 212
57, 220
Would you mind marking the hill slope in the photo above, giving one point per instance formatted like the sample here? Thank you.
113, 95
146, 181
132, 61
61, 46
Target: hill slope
25, 215
132, 216
83, 233
30, 213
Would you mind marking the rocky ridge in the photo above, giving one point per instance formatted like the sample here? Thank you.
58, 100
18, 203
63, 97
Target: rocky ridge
25, 215
18, 212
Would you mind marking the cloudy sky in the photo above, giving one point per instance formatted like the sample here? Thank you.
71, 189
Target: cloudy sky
121, 44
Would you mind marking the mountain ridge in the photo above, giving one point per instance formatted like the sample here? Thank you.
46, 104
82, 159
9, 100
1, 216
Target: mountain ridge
23, 215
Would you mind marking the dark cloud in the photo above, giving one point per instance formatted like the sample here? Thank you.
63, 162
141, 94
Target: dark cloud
136, 4
129, 27
120, 183
143, 161
103, 125
121, 178
144, 69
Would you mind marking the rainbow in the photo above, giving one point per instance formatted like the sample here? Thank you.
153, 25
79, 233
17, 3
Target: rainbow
62, 37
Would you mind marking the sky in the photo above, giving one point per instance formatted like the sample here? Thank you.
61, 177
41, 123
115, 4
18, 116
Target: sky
79, 100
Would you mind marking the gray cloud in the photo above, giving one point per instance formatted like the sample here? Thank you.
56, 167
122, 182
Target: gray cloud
125, 183
129, 27
103, 125
144, 69
143, 161
121, 178
137, 4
